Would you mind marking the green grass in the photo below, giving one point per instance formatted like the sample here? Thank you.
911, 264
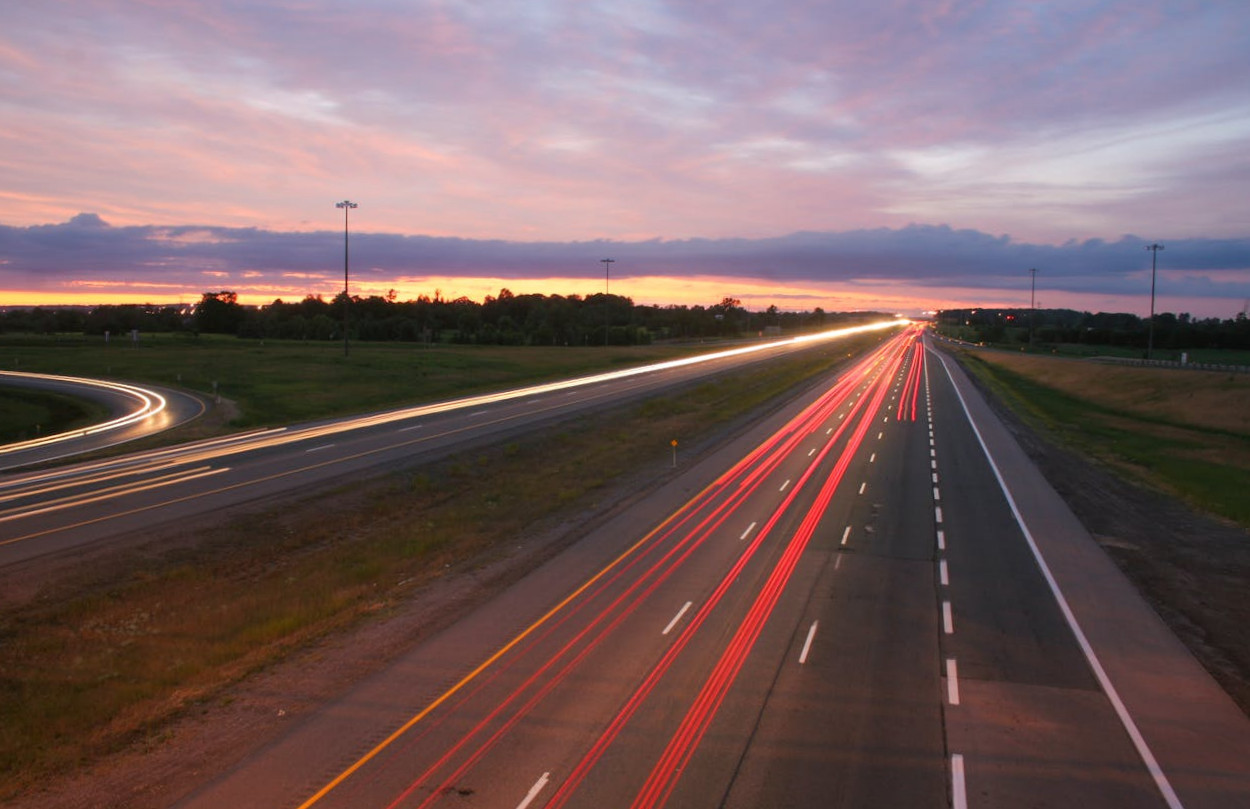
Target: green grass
279, 382
1208, 467
106, 661
26, 414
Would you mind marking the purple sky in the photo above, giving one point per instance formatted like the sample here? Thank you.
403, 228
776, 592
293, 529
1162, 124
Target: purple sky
915, 154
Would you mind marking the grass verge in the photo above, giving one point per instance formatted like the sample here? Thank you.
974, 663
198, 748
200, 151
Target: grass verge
1175, 431
27, 413
281, 382
106, 660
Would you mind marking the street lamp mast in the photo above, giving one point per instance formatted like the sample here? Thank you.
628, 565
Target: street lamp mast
1150, 339
1032, 303
607, 267
346, 205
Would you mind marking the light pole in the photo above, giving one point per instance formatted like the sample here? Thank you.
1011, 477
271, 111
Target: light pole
607, 267
1150, 339
346, 205
1032, 302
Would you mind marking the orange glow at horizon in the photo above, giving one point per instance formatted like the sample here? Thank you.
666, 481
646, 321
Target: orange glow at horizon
755, 295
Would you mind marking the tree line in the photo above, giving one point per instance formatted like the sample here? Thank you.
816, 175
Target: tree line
1056, 326
505, 319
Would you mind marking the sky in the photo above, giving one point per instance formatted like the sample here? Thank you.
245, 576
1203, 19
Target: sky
887, 155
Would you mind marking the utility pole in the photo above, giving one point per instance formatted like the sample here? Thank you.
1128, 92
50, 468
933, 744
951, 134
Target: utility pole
1150, 339
607, 267
346, 205
1032, 302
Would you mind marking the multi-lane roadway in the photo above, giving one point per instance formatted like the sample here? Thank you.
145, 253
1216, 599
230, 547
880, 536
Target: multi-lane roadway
852, 610
870, 599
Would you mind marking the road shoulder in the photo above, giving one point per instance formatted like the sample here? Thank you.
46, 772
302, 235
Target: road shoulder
1198, 735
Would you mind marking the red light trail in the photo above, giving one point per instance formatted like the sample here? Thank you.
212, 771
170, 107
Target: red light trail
649, 564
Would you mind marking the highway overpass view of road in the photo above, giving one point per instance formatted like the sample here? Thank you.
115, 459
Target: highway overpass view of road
869, 598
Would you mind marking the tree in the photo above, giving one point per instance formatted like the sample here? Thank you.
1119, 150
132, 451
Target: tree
219, 313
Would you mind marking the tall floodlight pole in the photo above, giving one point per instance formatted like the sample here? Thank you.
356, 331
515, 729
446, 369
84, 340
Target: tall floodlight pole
1150, 339
346, 205
607, 267
1032, 301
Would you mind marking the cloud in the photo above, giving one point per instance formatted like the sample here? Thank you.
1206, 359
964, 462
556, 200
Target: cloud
573, 119
922, 258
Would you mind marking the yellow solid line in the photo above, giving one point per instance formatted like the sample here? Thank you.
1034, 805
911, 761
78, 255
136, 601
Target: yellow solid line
404, 728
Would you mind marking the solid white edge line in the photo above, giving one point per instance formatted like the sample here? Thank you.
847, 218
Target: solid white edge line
959, 792
534, 790
807, 644
952, 681
1143, 749
677, 618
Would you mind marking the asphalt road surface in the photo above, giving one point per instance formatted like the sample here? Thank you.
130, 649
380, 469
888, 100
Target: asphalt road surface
871, 600
135, 412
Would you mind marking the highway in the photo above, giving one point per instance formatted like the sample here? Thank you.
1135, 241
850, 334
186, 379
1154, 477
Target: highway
847, 607
871, 598
53, 511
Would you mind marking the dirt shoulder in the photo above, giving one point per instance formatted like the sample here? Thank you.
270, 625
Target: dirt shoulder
1194, 569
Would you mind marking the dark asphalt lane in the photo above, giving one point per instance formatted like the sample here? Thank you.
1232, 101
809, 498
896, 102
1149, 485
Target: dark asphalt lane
1029, 720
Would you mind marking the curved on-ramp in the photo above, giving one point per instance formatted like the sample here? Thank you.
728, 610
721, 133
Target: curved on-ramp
136, 412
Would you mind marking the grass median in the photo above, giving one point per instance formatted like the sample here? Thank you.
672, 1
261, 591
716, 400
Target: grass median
28, 414
281, 382
108, 659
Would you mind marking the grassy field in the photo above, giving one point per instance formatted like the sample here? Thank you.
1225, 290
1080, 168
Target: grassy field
279, 382
1184, 432
28, 414
108, 659
1017, 337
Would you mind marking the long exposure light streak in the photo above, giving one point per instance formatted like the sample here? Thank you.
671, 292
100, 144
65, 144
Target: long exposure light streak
148, 404
202, 452
766, 457
681, 747
615, 727
676, 539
